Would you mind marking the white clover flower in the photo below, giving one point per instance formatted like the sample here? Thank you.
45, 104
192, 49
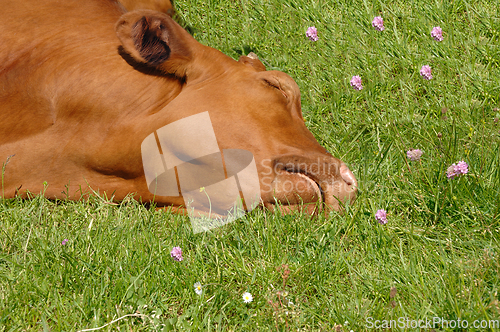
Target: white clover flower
247, 297
197, 288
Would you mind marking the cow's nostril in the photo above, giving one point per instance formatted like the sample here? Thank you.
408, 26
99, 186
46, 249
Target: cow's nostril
347, 175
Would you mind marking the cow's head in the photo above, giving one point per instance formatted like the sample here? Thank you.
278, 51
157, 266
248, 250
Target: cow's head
250, 108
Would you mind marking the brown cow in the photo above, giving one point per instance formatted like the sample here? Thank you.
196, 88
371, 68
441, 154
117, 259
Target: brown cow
83, 84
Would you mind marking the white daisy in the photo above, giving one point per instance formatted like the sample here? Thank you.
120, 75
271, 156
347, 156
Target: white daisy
247, 297
197, 288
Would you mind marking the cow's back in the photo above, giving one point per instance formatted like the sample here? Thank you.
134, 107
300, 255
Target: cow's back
33, 30
69, 96
50, 49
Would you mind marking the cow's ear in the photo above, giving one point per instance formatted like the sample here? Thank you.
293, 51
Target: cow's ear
155, 39
252, 60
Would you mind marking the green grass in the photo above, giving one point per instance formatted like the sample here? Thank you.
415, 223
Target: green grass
439, 249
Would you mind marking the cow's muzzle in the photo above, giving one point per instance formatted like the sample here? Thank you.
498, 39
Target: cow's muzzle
310, 185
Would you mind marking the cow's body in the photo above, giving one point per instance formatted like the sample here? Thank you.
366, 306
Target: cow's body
164, 6
76, 102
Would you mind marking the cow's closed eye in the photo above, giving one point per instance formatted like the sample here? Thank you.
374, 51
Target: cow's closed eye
276, 85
